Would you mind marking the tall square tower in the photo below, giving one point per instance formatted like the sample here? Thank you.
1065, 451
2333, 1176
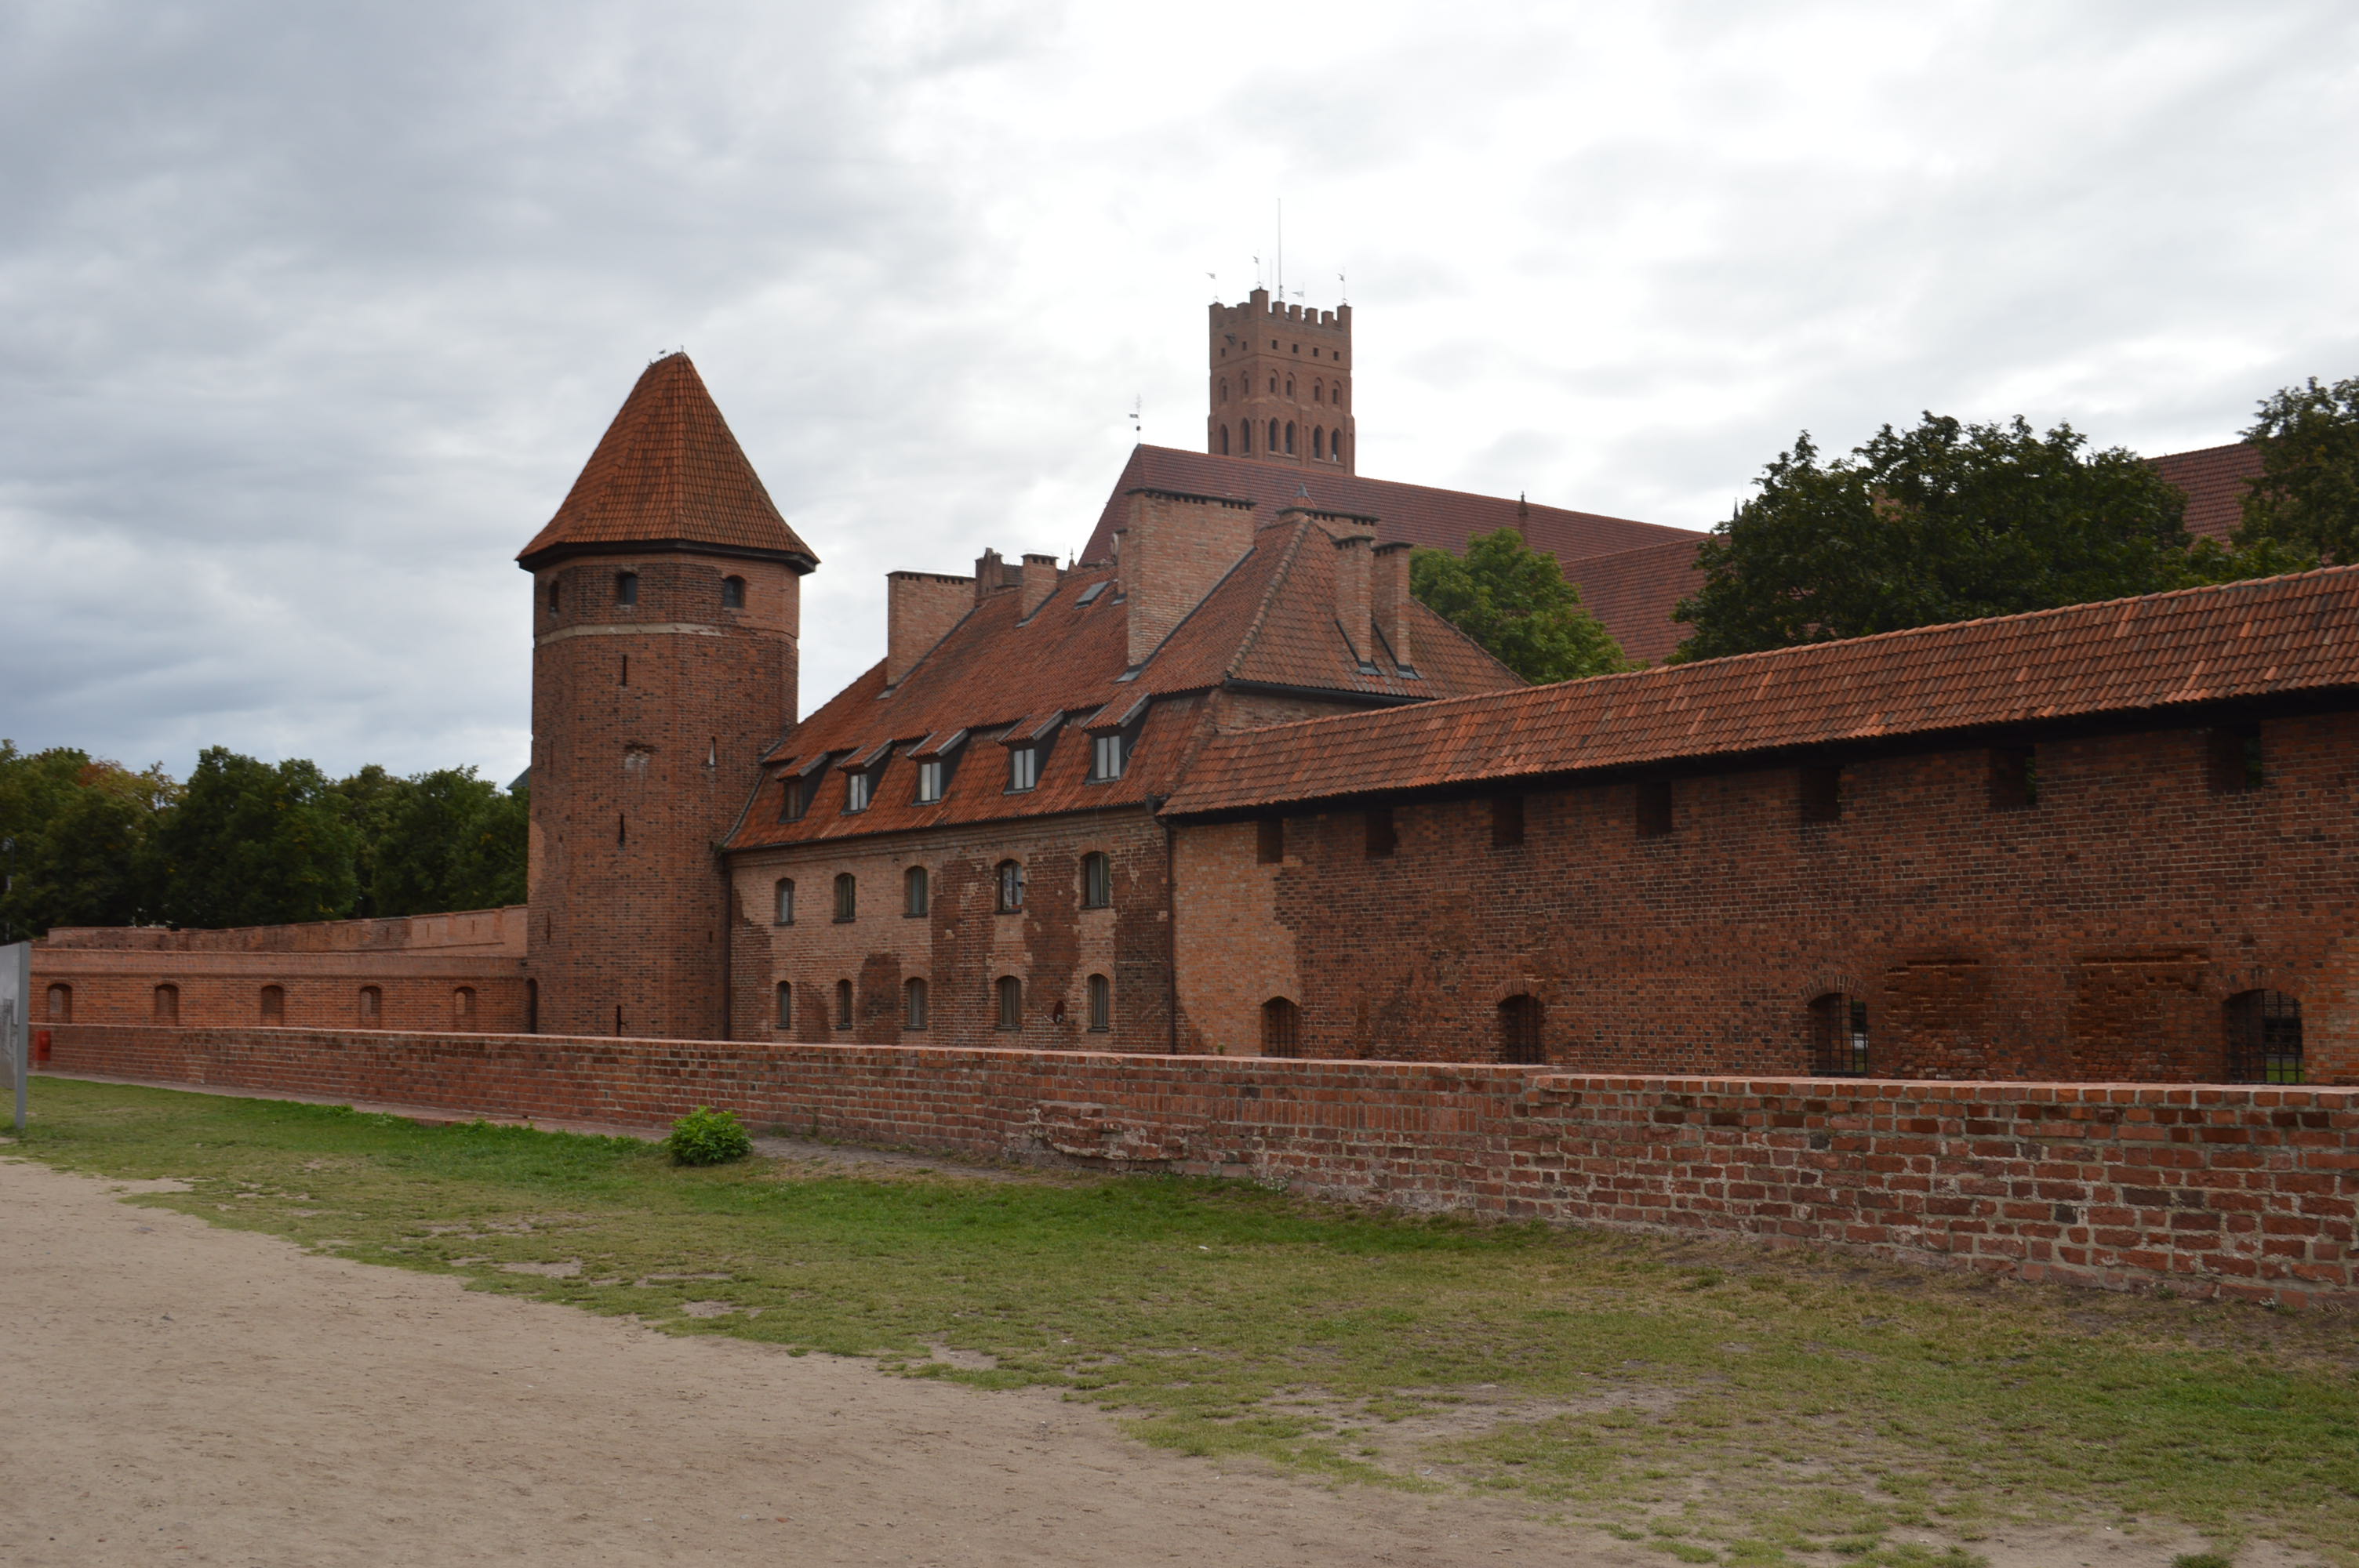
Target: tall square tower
1280, 385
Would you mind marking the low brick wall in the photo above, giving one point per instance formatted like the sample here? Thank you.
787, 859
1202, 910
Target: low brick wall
2244, 1191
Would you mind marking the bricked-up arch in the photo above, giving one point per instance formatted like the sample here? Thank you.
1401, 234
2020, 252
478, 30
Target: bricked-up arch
1281, 1027
1522, 1020
462, 1008
913, 1004
1008, 995
167, 1003
61, 1009
2264, 1037
274, 1006
782, 905
1839, 1043
372, 1006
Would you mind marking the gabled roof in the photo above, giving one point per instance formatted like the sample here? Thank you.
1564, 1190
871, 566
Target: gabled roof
1440, 519
668, 475
1635, 591
2237, 640
2214, 479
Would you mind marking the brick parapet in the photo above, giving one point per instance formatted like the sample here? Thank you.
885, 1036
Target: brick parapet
2245, 1192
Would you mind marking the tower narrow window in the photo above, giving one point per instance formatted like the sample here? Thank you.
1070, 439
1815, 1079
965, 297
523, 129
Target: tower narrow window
372, 1007
626, 588
274, 1006
733, 593
1100, 1004
1289, 437
913, 1004
783, 906
462, 1008
1281, 1027
1097, 880
786, 1005
1289, 386
1318, 441
2233, 761
626, 670
2014, 778
167, 1003
2264, 1038
1010, 992
1224, 440
1654, 808
1507, 821
1011, 886
1521, 1017
847, 897
1269, 841
1821, 793
556, 598
917, 890
1244, 438
1839, 1036
844, 1004
1273, 425
1383, 836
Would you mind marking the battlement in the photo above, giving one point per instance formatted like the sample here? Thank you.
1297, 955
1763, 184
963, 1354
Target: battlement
1260, 310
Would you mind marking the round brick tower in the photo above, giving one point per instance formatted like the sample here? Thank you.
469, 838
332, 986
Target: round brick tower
666, 608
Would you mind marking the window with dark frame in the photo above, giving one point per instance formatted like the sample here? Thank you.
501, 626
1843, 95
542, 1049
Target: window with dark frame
1507, 821
786, 1004
1839, 1036
1097, 880
913, 1004
917, 890
782, 908
2234, 759
626, 588
1108, 756
1010, 881
2014, 778
930, 782
1023, 768
1821, 793
1383, 836
1522, 1019
733, 593
1010, 994
2264, 1038
844, 1004
556, 598
857, 788
1100, 1004
847, 897
1654, 808
794, 799
1269, 841
1281, 1027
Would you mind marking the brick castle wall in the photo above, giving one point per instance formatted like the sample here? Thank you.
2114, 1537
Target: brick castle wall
2097, 935
2246, 1192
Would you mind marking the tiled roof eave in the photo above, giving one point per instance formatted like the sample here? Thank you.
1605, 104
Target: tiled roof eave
802, 562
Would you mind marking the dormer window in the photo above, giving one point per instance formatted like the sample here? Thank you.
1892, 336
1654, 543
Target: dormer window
733, 593
626, 588
857, 788
930, 782
1023, 768
1108, 753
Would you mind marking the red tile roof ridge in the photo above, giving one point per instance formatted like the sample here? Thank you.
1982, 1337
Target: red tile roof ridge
1279, 576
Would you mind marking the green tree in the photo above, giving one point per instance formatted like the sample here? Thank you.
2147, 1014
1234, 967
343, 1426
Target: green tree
1513, 600
2306, 499
451, 840
1947, 521
254, 844
75, 834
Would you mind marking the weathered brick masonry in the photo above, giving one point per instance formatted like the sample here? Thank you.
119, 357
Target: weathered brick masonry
2243, 1191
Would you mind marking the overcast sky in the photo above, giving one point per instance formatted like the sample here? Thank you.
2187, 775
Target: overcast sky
308, 314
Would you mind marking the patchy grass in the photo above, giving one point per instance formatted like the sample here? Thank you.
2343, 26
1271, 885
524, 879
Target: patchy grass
1720, 1404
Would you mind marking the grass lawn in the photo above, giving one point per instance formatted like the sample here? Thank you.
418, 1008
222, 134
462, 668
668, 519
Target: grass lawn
1722, 1403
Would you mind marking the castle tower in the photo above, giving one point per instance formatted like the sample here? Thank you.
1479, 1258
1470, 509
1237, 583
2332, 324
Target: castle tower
1281, 384
666, 602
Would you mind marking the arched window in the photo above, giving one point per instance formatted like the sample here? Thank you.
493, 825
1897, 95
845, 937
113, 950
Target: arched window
1318, 442
1839, 1036
1224, 440
274, 1006
532, 1007
1272, 435
1318, 392
844, 1004
2264, 1038
1011, 1001
1097, 880
62, 1004
733, 593
1335, 448
847, 897
1281, 1027
168, 1004
1100, 1004
917, 890
1224, 389
626, 588
913, 1004
1289, 438
1272, 386
783, 905
1289, 386
786, 1004
1520, 1018
1011, 887
462, 1008
372, 1007
1244, 438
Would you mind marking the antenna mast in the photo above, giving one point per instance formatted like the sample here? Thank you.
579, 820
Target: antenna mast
1281, 249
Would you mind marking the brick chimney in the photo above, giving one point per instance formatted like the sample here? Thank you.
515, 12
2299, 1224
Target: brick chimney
992, 573
1354, 550
1040, 581
920, 608
1176, 548
1388, 598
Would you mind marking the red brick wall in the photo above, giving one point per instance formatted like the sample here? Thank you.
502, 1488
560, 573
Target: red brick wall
2094, 936
2250, 1191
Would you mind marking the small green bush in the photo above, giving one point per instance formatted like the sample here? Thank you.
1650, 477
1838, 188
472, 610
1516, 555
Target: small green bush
2201, 1559
708, 1137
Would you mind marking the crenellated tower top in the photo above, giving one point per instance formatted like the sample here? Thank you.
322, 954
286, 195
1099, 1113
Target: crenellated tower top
1280, 385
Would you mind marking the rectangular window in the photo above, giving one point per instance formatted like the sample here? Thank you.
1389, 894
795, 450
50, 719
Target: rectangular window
1382, 836
856, 788
786, 1005
793, 800
1100, 1004
1654, 808
1269, 840
626, 588
1097, 880
2234, 759
2014, 778
1106, 757
1821, 793
930, 783
1507, 821
1023, 768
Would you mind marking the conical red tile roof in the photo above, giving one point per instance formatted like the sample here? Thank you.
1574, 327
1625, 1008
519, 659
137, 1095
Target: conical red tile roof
667, 473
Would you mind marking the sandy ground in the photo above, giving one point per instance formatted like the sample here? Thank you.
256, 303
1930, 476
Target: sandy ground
178, 1393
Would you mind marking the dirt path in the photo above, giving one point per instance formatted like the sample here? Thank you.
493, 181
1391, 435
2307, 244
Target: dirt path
178, 1393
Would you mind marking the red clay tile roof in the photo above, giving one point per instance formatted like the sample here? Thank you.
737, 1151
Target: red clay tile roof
1635, 591
1440, 519
2214, 479
669, 472
1269, 621
2235, 641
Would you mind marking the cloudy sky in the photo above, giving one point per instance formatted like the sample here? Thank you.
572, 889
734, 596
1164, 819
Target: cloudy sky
308, 314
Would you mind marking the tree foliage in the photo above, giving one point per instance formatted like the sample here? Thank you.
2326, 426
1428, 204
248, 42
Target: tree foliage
1947, 521
2306, 499
88, 842
1513, 600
